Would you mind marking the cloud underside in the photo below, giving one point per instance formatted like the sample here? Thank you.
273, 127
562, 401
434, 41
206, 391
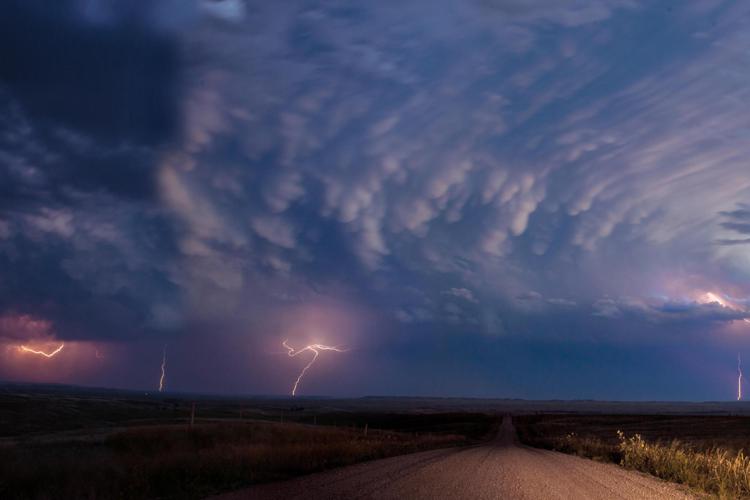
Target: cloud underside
466, 164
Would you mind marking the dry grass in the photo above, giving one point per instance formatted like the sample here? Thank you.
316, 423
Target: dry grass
582, 446
715, 471
174, 462
88, 444
705, 453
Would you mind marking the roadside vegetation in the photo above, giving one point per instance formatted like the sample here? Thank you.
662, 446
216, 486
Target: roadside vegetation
126, 446
176, 462
704, 453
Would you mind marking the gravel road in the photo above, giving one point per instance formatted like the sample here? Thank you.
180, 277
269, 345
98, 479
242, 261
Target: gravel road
502, 469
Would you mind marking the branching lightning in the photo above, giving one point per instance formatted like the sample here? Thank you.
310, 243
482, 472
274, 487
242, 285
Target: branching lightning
739, 377
163, 369
52, 354
315, 349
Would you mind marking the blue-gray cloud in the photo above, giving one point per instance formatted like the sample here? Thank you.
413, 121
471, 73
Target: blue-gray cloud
738, 221
496, 169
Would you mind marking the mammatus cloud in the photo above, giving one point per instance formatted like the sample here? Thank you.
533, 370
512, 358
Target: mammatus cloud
462, 293
373, 164
493, 169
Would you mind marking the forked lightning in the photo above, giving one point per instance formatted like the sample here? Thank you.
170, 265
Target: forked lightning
315, 349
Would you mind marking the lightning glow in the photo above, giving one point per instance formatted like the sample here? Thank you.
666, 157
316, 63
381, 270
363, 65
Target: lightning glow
163, 369
712, 297
739, 377
52, 354
315, 349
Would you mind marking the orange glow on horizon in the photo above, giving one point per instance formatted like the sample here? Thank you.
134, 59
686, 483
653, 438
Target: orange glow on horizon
50, 360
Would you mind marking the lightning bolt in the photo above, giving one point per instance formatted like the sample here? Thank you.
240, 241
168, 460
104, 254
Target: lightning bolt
315, 349
163, 369
739, 377
52, 354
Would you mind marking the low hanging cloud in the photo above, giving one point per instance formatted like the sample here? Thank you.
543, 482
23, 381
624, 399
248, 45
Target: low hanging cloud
23, 327
737, 221
667, 311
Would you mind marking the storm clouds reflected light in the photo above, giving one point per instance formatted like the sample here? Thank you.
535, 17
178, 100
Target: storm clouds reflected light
507, 191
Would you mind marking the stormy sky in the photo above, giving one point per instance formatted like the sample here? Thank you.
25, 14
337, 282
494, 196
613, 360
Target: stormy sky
493, 198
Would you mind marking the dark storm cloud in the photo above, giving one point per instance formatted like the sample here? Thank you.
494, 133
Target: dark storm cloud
737, 221
666, 312
330, 149
45, 164
88, 95
89, 89
734, 242
98, 270
115, 80
474, 173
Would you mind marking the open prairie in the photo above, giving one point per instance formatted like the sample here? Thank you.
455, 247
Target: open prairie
63, 442
701, 432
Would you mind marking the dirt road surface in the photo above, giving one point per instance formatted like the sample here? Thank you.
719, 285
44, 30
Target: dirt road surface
502, 469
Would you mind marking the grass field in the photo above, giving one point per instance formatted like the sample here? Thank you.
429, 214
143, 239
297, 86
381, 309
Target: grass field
704, 452
62, 442
62, 445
